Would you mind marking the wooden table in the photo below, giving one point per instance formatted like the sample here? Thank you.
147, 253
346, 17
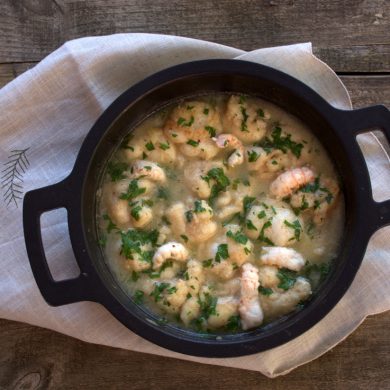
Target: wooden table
353, 37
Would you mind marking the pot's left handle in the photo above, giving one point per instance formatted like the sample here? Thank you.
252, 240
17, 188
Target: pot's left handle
360, 121
35, 203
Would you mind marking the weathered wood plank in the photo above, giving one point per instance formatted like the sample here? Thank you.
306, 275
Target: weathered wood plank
47, 359
9, 71
364, 90
349, 35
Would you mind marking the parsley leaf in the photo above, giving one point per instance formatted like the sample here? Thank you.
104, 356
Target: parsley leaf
149, 145
245, 116
283, 143
287, 278
164, 146
183, 122
296, 226
233, 324
265, 291
207, 263
238, 236
111, 225
133, 190
193, 143
138, 297
222, 252
189, 215
212, 131
252, 156
116, 170
221, 182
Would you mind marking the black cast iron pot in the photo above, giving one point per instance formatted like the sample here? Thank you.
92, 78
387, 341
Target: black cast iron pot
336, 129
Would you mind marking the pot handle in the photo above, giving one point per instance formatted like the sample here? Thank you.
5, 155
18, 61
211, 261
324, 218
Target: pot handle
359, 121
35, 203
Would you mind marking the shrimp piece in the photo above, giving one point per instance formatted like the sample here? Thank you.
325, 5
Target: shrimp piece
249, 307
271, 221
142, 217
244, 119
225, 308
195, 276
190, 310
118, 210
175, 215
280, 303
268, 276
199, 230
223, 270
192, 125
289, 181
282, 258
239, 252
154, 144
194, 174
170, 250
173, 299
144, 168
230, 141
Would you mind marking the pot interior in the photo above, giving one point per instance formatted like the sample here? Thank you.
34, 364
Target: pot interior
136, 111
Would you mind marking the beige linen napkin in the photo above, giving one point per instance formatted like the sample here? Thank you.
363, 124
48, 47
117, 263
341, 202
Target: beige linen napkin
50, 109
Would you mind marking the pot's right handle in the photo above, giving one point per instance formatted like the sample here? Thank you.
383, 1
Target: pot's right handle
360, 121
35, 203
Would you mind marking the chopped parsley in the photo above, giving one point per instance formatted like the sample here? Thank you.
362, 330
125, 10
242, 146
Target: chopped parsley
238, 237
189, 215
158, 290
222, 252
261, 215
206, 111
283, 143
184, 123
135, 212
184, 237
311, 187
208, 307
207, 263
247, 203
260, 113
193, 143
250, 225
138, 297
262, 236
164, 146
245, 116
162, 193
149, 145
212, 131
297, 227
134, 276
116, 170
133, 191
133, 240
233, 324
286, 278
111, 225
198, 207
265, 291
252, 156
220, 179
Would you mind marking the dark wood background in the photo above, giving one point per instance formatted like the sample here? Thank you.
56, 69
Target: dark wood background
352, 36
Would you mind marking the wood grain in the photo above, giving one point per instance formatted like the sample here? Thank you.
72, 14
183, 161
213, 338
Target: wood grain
36, 356
352, 36
349, 35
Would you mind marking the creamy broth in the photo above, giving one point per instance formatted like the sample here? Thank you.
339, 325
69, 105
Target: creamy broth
220, 213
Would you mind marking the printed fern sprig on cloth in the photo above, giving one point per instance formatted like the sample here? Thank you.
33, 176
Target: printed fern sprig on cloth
12, 176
